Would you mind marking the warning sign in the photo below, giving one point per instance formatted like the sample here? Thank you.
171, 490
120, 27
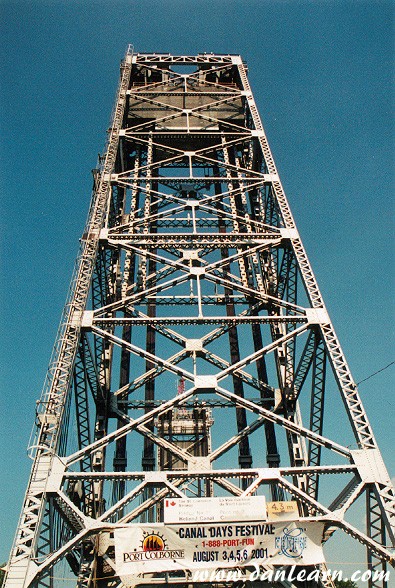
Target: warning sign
282, 510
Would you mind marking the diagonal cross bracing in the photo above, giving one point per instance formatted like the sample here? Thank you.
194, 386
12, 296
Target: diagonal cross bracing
199, 279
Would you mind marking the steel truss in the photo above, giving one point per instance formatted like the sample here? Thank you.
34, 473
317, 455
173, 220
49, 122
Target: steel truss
191, 268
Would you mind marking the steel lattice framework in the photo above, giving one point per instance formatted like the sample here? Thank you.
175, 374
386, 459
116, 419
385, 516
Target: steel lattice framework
191, 270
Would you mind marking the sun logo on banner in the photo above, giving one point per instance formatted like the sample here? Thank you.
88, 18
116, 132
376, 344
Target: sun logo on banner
153, 542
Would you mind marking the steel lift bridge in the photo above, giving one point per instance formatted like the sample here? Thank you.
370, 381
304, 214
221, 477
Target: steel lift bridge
195, 355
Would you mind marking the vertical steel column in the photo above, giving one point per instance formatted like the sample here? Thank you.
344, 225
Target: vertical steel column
57, 385
245, 459
317, 409
375, 529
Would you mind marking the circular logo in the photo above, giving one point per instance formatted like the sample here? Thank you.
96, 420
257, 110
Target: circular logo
153, 542
293, 542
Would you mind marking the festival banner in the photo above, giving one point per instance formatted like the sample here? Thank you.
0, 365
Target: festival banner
158, 547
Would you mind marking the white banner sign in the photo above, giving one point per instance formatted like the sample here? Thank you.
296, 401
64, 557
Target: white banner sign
159, 548
214, 509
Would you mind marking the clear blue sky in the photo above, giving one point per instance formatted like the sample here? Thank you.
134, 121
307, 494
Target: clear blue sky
322, 73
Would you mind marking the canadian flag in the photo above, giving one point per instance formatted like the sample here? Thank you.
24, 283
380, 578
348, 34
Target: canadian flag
181, 386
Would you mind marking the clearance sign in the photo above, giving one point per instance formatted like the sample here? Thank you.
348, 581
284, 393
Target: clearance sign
165, 547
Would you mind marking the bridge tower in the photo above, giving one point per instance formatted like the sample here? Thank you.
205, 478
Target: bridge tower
191, 269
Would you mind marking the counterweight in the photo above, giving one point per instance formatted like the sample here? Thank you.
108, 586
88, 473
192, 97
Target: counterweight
195, 356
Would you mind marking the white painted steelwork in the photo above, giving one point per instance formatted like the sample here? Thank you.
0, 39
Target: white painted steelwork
191, 267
